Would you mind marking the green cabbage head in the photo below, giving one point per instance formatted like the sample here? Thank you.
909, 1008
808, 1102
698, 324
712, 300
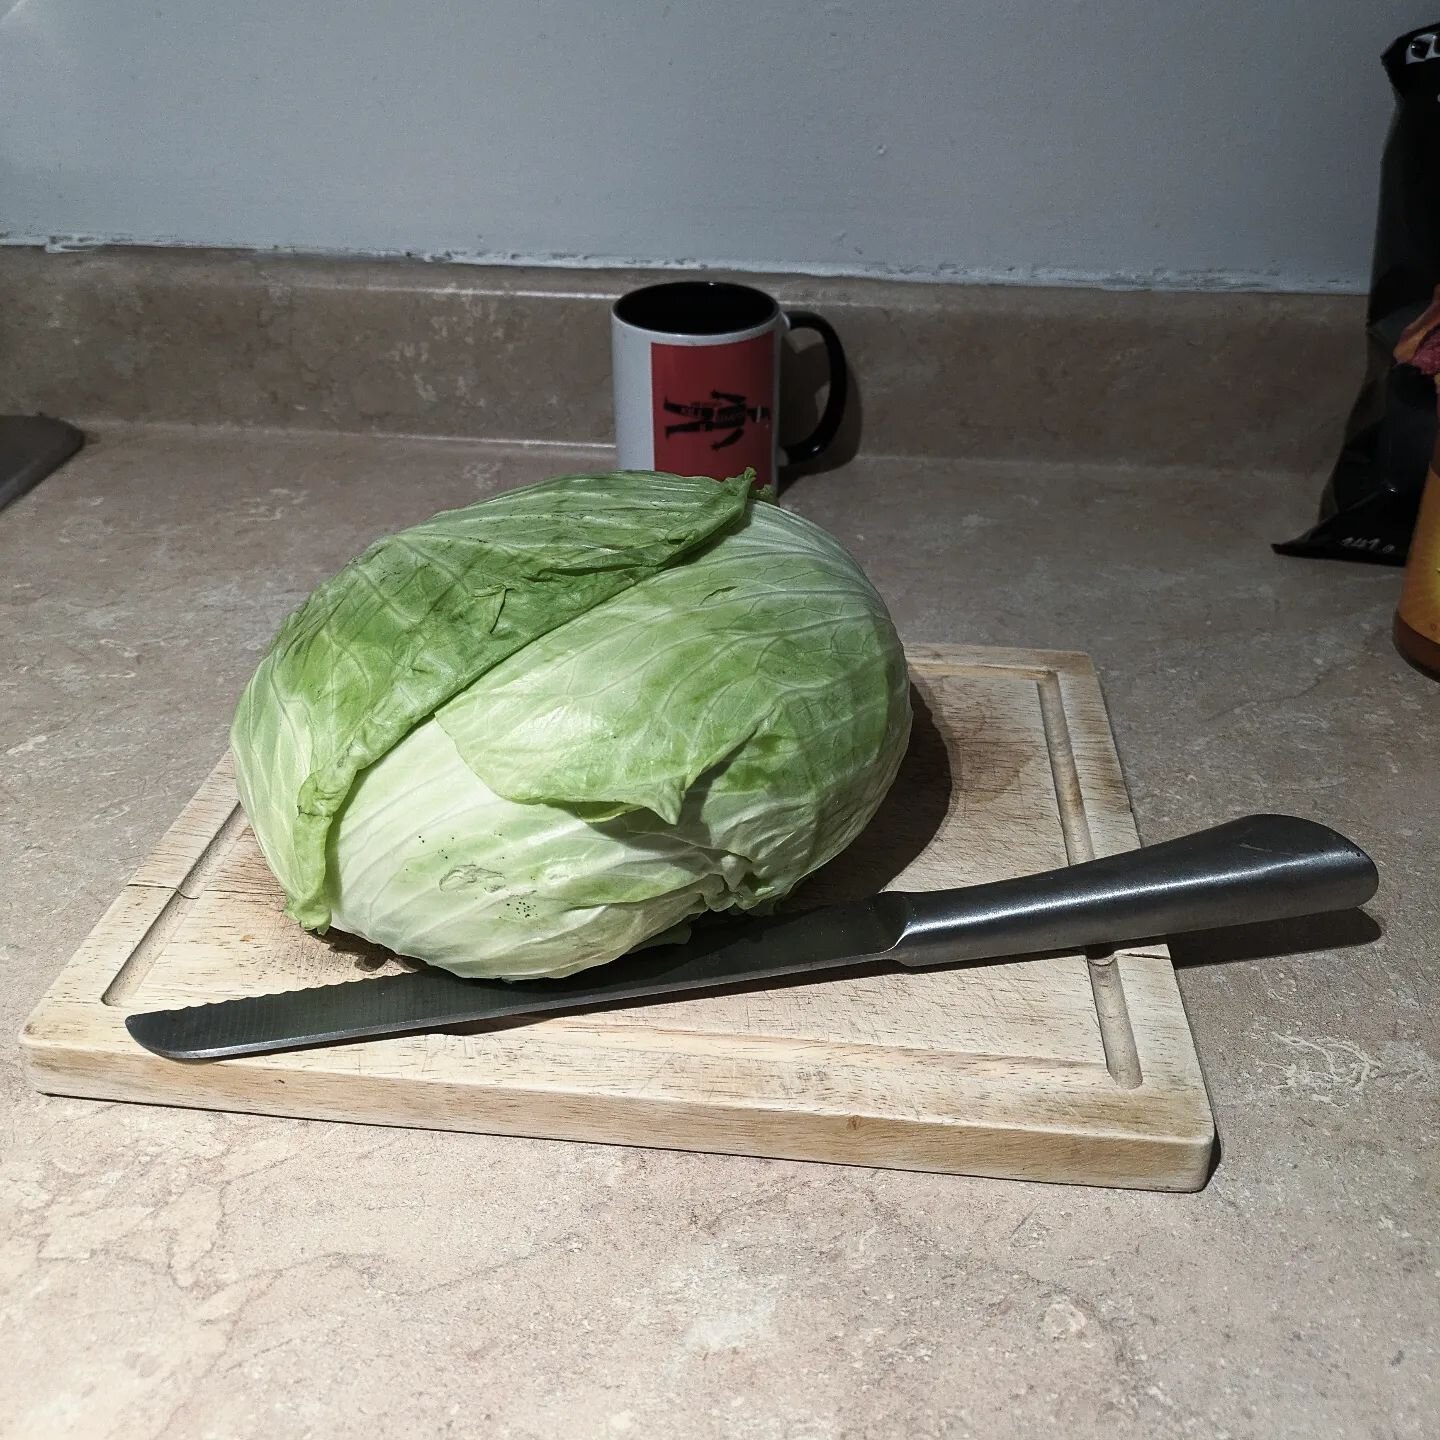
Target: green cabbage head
527, 736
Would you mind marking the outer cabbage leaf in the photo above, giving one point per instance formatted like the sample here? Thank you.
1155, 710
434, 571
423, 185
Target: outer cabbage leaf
702, 740
418, 617
427, 859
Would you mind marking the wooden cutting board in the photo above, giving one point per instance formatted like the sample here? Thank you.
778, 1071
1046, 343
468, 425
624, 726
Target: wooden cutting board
1058, 1069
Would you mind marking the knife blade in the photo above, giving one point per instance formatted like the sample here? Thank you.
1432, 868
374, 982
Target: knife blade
1261, 867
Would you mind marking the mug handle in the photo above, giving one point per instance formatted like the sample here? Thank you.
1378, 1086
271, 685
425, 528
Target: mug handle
823, 434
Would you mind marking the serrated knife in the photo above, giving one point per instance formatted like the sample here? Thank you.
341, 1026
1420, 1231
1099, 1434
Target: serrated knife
1262, 867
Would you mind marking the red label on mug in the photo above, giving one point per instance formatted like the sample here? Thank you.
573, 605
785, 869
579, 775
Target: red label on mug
713, 408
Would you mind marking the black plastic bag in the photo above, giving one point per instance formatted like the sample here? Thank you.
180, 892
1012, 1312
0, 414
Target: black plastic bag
1368, 507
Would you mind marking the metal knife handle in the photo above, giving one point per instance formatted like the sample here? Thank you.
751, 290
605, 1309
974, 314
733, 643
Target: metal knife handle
1264, 867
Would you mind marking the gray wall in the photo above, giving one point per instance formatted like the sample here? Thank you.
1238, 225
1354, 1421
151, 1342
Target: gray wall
1190, 142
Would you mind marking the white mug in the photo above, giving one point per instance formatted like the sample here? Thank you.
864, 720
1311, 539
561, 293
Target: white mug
697, 380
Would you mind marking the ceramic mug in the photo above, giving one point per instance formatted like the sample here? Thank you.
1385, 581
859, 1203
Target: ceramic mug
697, 380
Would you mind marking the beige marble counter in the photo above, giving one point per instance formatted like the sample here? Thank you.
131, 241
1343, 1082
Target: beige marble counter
174, 1274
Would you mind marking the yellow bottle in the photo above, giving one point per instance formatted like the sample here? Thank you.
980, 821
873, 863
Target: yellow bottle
1417, 617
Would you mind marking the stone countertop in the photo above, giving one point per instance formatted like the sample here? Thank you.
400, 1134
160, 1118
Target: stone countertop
184, 1274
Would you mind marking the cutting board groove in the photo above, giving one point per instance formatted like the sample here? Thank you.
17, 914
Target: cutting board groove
1067, 1068
1122, 1059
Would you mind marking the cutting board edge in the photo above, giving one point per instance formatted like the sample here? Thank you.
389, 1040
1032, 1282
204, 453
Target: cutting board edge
1176, 1158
